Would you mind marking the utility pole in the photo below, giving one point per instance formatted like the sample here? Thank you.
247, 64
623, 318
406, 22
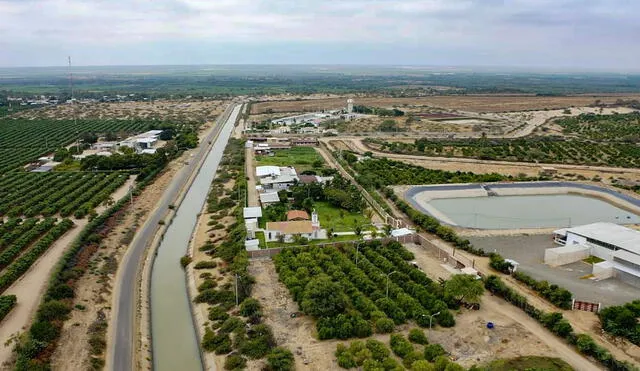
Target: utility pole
357, 251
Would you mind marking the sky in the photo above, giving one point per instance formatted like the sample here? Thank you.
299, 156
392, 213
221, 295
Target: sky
561, 34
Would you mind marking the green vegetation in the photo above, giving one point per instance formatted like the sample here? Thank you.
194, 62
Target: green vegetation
615, 128
77, 194
592, 260
558, 325
338, 220
301, 158
375, 355
556, 295
280, 359
526, 363
622, 321
23, 140
247, 337
530, 149
349, 300
7, 302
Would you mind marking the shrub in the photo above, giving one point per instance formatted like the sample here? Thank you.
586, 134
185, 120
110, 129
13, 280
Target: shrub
412, 357
378, 350
207, 284
235, 362
433, 351
384, 325
422, 365
185, 260
280, 359
400, 346
231, 324
417, 336
205, 264
258, 342
249, 307
216, 313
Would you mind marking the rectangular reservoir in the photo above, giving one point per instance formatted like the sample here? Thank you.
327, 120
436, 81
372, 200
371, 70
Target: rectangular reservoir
529, 211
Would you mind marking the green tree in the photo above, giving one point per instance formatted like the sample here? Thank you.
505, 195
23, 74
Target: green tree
249, 307
464, 287
323, 298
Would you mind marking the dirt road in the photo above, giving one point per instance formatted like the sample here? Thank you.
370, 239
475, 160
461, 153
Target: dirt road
496, 306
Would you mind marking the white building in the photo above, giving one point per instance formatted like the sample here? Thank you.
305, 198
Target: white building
309, 229
276, 178
619, 246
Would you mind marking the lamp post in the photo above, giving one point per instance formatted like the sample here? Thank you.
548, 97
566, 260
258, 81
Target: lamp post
389, 275
430, 319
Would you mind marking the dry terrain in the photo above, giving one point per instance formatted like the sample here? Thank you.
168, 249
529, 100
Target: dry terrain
94, 290
163, 110
474, 103
469, 342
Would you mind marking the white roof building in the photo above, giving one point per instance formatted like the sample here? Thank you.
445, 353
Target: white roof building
269, 198
252, 212
263, 171
612, 242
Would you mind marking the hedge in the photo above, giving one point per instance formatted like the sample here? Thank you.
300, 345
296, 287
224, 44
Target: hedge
558, 325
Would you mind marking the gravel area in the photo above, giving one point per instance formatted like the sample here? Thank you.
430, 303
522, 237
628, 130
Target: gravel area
529, 252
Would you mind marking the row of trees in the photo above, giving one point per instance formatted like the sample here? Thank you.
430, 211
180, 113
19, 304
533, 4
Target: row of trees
354, 300
558, 325
416, 354
622, 320
545, 149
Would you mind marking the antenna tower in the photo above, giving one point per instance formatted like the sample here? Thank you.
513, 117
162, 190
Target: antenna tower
73, 107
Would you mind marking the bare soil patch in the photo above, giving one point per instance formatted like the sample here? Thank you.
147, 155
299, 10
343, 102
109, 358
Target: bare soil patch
474, 103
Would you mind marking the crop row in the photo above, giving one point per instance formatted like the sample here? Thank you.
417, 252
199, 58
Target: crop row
22, 264
381, 291
7, 302
545, 150
67, 193
8, 254
615, 127
23, 140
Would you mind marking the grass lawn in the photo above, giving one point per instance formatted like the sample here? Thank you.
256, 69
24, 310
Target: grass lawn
301, 158
338, 219
527, 363
262, 241
592, 260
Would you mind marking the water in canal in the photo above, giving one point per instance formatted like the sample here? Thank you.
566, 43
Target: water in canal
535, 211
175, 344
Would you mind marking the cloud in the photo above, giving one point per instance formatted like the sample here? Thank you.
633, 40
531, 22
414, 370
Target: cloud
496, 32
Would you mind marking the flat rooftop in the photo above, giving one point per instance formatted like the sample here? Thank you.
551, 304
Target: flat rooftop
614, 234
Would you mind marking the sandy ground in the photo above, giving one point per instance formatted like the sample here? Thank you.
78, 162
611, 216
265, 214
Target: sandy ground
475, 103
565, 171
30, 287
469, 342
167, 110
72, 352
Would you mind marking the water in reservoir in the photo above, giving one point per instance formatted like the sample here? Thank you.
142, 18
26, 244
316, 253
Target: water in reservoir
535, 211
175, 344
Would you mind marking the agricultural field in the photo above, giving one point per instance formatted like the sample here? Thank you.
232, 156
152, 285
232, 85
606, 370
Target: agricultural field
534, 149
301, 158
616, 128
23, 140
351, 300
157, 110
472, 103
48, 194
